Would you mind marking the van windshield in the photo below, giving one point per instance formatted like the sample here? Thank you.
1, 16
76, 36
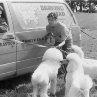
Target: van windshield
34, 15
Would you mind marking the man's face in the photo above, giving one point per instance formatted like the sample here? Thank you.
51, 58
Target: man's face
52, 21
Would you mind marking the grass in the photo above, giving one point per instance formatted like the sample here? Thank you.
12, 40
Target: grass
25, 90
88, 22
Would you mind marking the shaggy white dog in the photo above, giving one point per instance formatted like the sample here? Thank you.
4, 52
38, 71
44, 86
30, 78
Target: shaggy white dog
47, 73
77, 84
76, 49
89, 65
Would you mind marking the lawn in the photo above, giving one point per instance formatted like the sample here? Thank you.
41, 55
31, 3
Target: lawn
88, 22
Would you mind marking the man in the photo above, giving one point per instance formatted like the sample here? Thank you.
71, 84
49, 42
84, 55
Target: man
61, 34
60, 37
3, 24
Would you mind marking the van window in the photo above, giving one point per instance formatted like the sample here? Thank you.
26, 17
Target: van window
34, 15
3, 19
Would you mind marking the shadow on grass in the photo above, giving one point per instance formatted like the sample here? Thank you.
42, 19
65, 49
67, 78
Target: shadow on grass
24, 89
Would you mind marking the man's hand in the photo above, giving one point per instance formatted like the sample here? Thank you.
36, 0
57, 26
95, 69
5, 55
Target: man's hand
51, 40
58, 47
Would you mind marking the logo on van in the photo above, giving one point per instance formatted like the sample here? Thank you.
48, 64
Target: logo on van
6, 43
58, 9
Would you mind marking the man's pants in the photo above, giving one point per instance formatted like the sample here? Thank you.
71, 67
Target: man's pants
67, 45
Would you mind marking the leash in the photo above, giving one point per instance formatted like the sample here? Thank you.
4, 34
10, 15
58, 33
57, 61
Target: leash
38, 45
87, 34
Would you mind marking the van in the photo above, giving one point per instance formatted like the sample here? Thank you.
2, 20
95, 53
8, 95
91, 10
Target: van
27, 20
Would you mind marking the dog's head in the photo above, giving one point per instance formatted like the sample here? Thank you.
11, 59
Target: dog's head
53, 54
78, 50
74, 61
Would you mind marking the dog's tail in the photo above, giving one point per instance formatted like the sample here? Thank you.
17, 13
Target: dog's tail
87, 82
78, 50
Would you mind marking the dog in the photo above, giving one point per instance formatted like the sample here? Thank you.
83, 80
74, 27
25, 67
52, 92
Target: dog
89, 65
78, 50
46, 73
77, 83
75, 49
90, 68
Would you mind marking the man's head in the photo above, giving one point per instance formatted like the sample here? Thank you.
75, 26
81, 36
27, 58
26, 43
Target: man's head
52, 18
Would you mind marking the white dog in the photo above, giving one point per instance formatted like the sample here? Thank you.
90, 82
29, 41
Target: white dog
78, 50
89, 65
77, 84
47, 73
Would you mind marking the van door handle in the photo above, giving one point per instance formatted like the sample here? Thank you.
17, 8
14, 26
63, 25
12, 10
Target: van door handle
8, 36
11, 37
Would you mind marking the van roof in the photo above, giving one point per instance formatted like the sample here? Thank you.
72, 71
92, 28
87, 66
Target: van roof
61, 1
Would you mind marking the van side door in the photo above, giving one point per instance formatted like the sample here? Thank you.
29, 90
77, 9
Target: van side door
7, 47
28, 30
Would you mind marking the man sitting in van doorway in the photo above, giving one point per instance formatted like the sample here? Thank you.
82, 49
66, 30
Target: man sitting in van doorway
3, 24
61, 36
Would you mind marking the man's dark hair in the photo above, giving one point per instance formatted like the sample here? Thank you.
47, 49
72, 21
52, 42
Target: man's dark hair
53, 15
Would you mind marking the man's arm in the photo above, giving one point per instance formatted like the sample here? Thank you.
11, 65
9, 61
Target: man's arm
49, 36
64, 35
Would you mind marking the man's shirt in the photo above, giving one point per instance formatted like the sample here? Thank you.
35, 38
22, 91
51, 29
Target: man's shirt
60, 32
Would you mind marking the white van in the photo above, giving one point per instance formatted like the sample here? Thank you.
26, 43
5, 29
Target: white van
26, 21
